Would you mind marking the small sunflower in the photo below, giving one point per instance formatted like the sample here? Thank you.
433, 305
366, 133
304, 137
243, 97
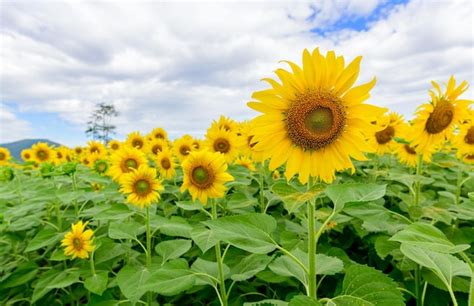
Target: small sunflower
135, 140
62, 155
407, 154
166, 164
246, 162
158, 133
224, 142
124, 160
225, 123
141, 186
198, 144
114, 145
77, 242
183, 146
97, 148
388, 127
246, 134
314, 120
464, 140
155, 146
204, 175
26, 155
78, 150
436, 121
4, 156
101, 166
42, 153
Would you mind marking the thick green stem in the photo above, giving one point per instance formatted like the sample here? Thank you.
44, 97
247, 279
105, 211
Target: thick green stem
419, 167
219, 261
418, 286
311, 251
92, 264
148, 249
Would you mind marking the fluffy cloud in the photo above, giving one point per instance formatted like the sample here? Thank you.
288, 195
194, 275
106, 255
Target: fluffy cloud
12, 128
180, 65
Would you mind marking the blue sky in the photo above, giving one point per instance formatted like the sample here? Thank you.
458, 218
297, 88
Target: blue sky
181, 65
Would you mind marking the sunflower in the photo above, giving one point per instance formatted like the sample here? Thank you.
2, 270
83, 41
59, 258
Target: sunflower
205, 175
387, 127
246, 162
62, 155
78, 242
223, 141
101, 166
248, 142
407, 154
4, 156
158, 133
198, 144
26, 155
166, 164
95, 147
114, 145
314, 120
225, 123
78, 150
125, 159
135, 140
141, 186
42, 152
464, 141
155, 146
183, 146
436, 121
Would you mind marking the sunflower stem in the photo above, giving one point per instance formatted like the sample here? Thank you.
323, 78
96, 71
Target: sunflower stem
219, 260
92, 264
261, 184
419, 171
311, 251
418, 295
148, 249
58, 216
74, 188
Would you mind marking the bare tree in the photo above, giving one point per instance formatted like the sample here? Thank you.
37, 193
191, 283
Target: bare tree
99, 127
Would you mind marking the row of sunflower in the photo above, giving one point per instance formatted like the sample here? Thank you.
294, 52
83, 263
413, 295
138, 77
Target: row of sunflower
313, 124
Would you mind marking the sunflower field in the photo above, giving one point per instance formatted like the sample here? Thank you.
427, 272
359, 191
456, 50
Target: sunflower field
321, 199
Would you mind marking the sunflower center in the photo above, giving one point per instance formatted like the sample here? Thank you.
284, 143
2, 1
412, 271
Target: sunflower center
142, 187
42, 155
221, 145
156, 148
315, 119
159, 136
101, 167
94, 150
202, 177
78, 150
59, 155
409, 149
77, 243
385, 135
115, 146
165, 163
2, 156
184, 150
470, 157
137, 143
26, 155
196, 145
440, 118
469, 138
131, 163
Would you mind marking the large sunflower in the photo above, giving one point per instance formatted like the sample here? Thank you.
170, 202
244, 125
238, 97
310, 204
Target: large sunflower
388, 127
165, 163
78, 242
223, 141
42, 152
183, 146
314, 120
135, 140
141, 186
204, 175
124, 160
4, 156
436, 121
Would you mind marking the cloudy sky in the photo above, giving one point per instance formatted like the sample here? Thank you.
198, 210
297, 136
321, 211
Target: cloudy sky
179, 65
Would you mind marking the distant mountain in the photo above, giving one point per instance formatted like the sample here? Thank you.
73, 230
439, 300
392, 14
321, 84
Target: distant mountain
17, 146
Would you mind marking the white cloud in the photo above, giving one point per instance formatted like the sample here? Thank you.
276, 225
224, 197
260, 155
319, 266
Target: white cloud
180, 65
11, 127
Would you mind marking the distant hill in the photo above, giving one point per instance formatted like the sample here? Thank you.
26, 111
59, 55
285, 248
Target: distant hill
17, 146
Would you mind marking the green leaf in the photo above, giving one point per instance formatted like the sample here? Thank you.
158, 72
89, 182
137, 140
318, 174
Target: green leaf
354, 192
132, 280
125, 230
240, 200
22, 274
204, 238
375, 217
383, 246
46, 237
173, 278
108, 250
445, 266
267, 303
250, 232
176, 227
423, 235
210, 268
172, 249
97, 283
53, 279
293, 198
366, 286
249, 266
114, 212
303, 300
189, 205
